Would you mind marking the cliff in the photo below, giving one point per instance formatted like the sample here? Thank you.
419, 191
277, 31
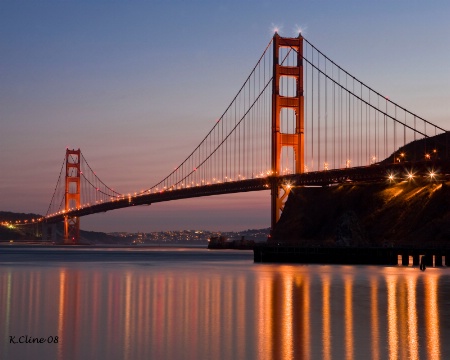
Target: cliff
407, 213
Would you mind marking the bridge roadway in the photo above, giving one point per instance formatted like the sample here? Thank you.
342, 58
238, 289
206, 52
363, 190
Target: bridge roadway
373, 173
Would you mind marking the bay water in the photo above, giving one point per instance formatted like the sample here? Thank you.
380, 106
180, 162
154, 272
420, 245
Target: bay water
194, 303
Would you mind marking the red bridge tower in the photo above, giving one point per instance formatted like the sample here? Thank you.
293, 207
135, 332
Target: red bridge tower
279, 192
72, 196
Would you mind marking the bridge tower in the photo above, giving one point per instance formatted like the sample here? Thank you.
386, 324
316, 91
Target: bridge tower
295, 140
72, 196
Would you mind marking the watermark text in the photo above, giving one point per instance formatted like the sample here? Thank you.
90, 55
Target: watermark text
26, 339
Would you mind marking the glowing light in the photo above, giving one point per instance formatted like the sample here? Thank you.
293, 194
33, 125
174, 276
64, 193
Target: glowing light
391, 177
275, 28
410, 175
299, 29
432, 175
325, 166
427, 156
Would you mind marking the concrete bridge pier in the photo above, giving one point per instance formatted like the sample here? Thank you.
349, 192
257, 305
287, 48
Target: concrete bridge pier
438, 260
428, 261
405, 259
416, 259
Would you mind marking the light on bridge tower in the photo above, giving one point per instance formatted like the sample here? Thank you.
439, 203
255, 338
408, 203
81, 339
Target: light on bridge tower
294, 140
72, 196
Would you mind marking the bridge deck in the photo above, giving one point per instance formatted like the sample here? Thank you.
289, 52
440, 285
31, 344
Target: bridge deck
376, 172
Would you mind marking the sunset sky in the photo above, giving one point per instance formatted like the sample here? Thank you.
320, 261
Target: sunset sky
137, 84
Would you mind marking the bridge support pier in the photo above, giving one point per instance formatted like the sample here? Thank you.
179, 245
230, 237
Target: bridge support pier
437, 260
428, 261
405, 259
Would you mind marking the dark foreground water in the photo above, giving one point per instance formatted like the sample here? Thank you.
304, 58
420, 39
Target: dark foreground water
199, 304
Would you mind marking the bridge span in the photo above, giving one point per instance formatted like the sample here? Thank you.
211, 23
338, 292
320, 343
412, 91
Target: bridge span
438, 170
299, 119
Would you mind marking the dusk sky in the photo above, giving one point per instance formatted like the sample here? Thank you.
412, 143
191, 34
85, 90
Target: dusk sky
137, 84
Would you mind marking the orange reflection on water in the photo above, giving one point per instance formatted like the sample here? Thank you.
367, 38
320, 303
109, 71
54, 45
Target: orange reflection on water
391, 281
262, 312
348, 289
326, 317
284, 328
264, 290
432, 317
62, 291
287, 322
402, 319
375, 326
307, 318
411, 284
127, 325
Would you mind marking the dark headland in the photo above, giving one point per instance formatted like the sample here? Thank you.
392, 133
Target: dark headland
403, 214
366, 222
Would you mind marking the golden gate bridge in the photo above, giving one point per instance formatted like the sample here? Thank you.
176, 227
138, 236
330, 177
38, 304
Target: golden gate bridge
299, 119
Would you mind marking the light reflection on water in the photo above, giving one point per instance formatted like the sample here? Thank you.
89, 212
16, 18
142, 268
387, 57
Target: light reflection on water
223, 308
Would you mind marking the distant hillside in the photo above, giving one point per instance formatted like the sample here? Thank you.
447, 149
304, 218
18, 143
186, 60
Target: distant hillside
16, 233
122, 238
12, 216
432, 148
29, 232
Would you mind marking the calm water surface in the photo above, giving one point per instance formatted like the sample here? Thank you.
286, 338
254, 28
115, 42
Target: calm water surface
200, 304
